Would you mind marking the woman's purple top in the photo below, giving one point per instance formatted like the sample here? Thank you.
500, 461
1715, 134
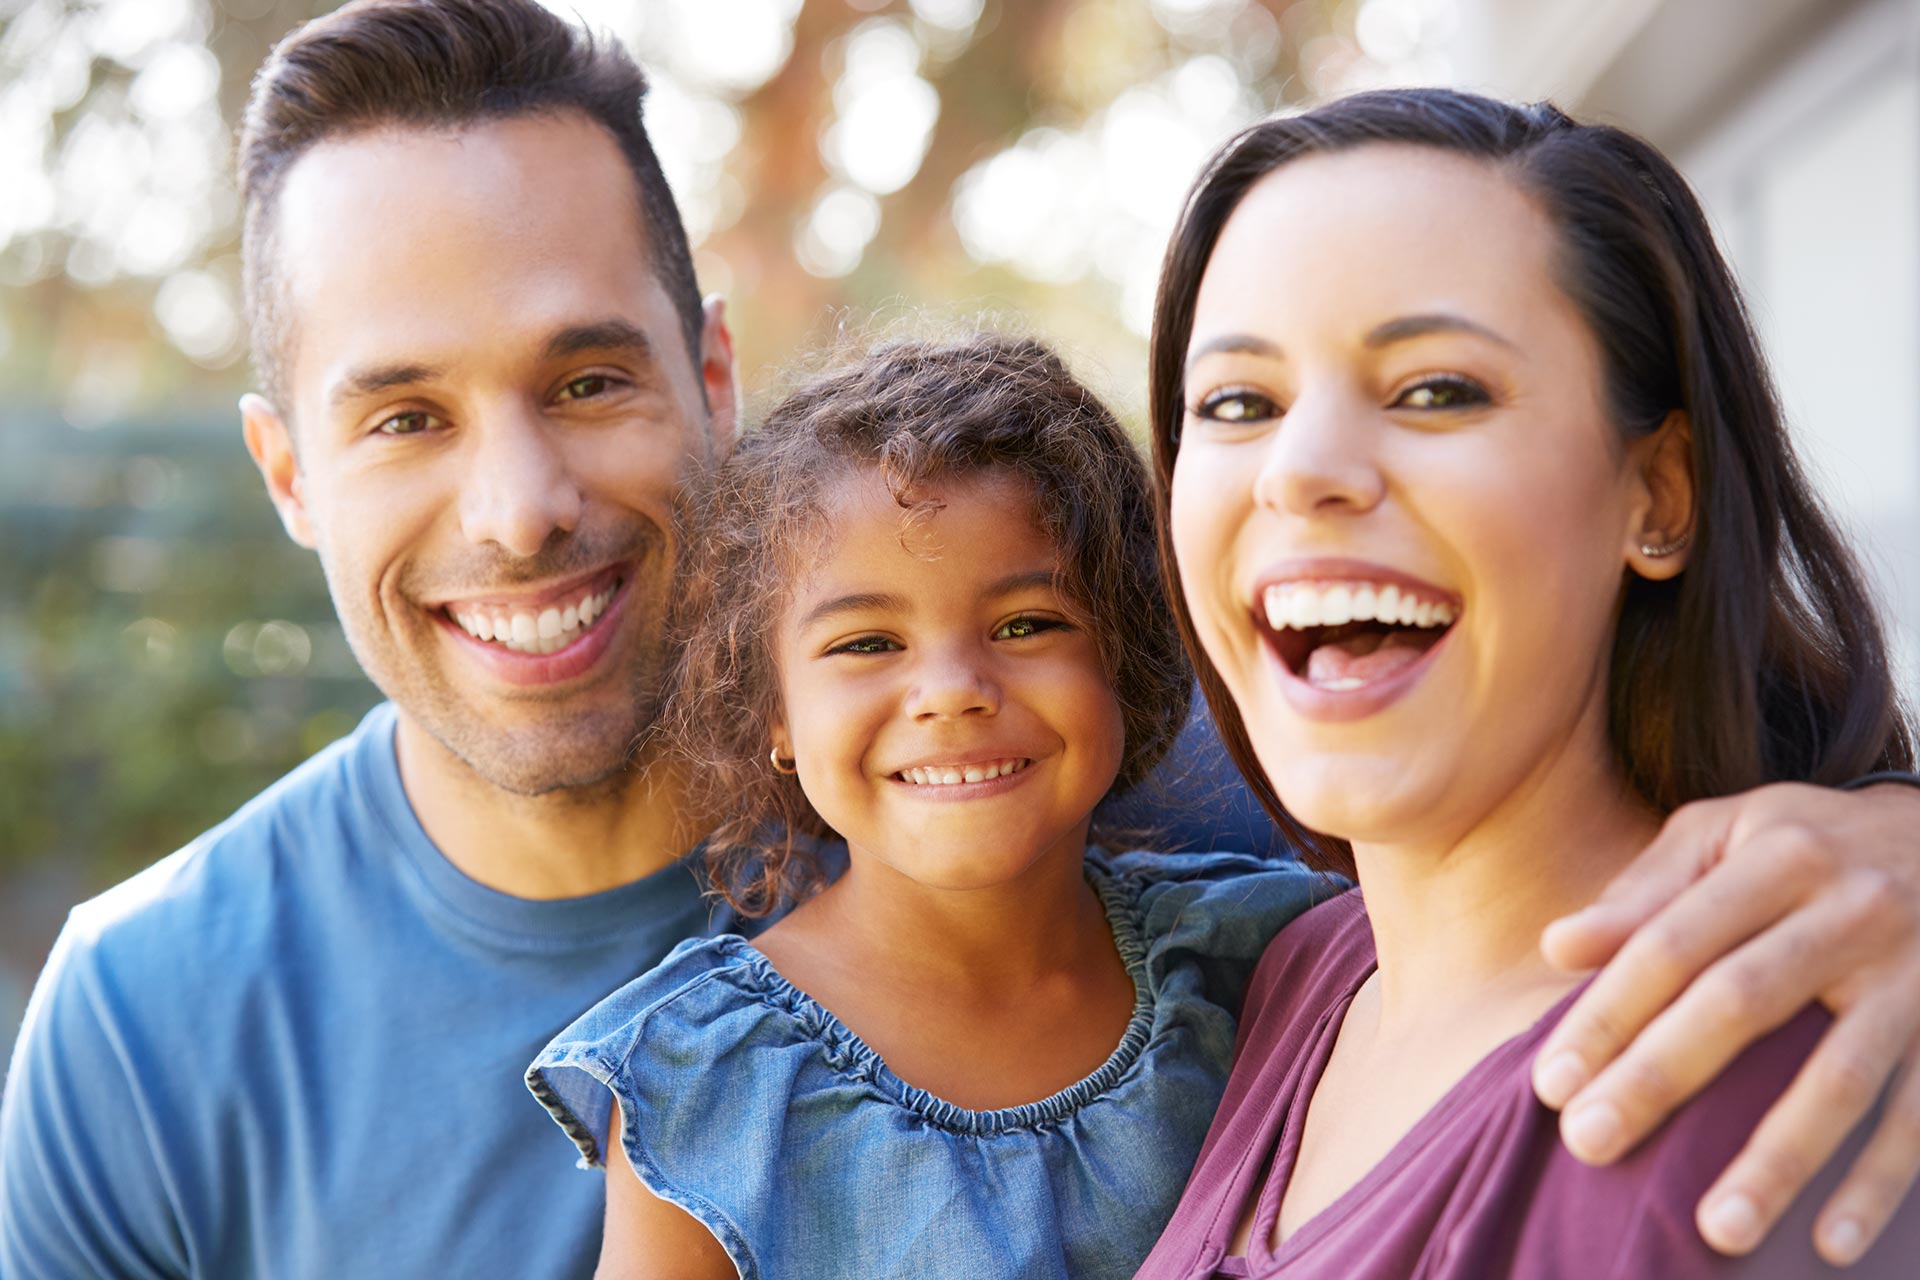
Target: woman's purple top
1480, 1186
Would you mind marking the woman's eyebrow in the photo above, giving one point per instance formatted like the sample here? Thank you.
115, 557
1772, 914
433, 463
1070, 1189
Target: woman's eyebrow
1019, 582
1236, 344
1408, 327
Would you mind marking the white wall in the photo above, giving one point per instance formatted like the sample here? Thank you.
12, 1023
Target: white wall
1813, 180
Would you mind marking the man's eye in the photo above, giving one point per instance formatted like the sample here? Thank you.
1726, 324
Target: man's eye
865, 644
1236, 404
1023, 628
411, 423
1443, 393
586, 388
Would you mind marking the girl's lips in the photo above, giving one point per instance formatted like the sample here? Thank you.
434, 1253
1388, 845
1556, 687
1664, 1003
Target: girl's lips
557, 667
952, 791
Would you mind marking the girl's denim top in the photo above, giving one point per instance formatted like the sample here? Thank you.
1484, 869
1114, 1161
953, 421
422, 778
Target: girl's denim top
757, 1111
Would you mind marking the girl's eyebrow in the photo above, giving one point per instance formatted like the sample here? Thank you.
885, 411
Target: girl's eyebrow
856, 603
1019, 582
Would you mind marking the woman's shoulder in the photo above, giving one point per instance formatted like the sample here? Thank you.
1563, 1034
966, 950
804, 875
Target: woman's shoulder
1648, 1199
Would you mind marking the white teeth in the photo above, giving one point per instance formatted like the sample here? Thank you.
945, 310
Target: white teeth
949, 774
546, 631
1300, 605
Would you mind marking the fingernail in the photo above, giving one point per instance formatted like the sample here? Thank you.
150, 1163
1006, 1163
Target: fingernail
1562, 1077
1734, 1222
1845, 1241
1593, 1131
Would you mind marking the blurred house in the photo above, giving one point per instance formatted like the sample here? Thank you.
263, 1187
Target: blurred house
1799, 122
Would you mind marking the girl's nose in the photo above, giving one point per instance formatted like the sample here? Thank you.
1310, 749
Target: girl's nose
1321, 459
951, 686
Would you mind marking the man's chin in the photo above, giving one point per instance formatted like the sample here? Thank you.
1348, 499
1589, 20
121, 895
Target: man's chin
583, 759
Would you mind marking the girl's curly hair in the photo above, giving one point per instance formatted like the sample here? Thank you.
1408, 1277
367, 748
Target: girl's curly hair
921, 412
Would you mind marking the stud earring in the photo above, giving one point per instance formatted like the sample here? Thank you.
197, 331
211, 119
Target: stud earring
1658, 551
787, 766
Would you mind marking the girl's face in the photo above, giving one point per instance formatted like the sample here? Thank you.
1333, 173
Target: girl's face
946, 715
1400, 509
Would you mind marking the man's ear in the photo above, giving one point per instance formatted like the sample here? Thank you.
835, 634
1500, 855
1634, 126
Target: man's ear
270, 441
1665, 507
719, 379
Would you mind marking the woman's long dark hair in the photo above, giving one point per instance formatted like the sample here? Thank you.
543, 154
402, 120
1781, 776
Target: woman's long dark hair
1764, 661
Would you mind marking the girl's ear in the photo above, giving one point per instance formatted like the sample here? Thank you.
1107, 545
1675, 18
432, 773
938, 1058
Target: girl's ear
1661, 527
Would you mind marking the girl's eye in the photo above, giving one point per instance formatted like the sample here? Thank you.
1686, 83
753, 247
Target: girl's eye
586, 388
1443, 393
1023, 628
865, 644
411, 423
1236, 404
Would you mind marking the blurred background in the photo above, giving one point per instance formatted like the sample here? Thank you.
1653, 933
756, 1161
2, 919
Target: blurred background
165, 652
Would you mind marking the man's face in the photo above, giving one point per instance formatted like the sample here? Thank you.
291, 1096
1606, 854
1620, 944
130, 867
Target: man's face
494, 410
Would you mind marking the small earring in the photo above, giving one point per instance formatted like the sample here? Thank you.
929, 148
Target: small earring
789, 766
1658, 551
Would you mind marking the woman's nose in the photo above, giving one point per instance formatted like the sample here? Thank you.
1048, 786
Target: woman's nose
1321, 458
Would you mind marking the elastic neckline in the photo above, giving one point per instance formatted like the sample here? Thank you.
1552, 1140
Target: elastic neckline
854, 1059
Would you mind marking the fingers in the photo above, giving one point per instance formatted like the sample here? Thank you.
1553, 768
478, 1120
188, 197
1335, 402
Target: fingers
1882, 1175
1703, 923
1837, 1085
1688, 843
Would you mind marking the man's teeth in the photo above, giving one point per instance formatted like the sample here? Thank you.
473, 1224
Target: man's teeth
541, 631
1331, 604
946, 775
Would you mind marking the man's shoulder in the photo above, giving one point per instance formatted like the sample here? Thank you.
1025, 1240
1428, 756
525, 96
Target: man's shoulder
222, 886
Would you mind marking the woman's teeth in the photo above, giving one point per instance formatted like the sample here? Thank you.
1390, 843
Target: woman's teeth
1300, 605
543, 631
946, 775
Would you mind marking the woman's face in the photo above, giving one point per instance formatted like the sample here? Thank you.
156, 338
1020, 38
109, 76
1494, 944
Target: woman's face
1400, 509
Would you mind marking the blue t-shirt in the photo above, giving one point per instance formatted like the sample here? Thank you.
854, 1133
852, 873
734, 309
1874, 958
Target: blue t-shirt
752, 1107
295, 1048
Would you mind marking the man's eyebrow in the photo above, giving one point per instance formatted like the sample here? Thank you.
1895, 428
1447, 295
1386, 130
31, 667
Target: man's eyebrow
601, 335
1408, 327
856, 603
1236, 344
374, 379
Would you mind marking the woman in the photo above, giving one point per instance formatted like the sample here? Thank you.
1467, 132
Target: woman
1494, 553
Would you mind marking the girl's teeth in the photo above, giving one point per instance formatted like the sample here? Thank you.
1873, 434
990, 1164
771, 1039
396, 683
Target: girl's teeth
948, 775
547, 631
1332, 604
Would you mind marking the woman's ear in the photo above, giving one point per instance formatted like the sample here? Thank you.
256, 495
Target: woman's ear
1660, 532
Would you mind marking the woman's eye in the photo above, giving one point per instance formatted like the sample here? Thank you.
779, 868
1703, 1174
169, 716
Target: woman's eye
865, 644
1023, 628
411, 423
1236, 404
586, 388
1442, 393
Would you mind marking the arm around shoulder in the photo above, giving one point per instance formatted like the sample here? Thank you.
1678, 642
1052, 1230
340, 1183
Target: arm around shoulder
81, 1190
648, 1238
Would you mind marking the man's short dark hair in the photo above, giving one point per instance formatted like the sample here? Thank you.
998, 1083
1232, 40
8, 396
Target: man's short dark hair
437, 64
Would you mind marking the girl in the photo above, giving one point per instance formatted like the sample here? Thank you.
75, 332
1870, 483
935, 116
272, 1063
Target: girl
927, 618
1489, 531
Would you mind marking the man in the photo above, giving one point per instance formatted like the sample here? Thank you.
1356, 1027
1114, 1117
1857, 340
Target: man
296, 1046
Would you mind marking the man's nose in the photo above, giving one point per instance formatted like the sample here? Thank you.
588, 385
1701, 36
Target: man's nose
518, 487
951, 684
1322, 457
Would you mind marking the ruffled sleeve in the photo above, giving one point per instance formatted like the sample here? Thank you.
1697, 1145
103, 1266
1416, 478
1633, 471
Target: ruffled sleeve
1207, 919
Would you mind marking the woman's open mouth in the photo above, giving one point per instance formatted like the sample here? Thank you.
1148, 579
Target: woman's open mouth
1345, 636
